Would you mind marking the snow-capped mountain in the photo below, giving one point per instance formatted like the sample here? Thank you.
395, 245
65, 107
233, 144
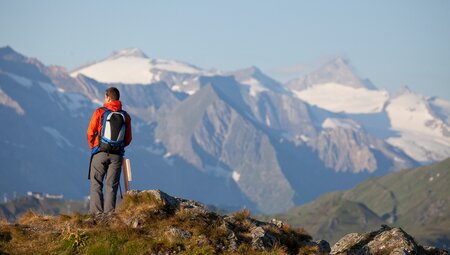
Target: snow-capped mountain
257, 81
423, 133
410, 122
336, 97
337, 71
230, 138
44, 145
132, 66
335, 88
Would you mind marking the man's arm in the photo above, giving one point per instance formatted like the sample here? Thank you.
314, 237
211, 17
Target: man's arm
128, 135
92, 129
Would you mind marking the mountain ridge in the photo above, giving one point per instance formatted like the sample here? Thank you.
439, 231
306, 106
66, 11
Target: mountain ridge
416, 200
243, 144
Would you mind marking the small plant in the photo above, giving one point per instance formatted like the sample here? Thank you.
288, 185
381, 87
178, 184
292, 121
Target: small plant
28, 217
75, 240
242, 214
308, 250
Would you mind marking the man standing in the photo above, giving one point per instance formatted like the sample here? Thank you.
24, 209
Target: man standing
108, 133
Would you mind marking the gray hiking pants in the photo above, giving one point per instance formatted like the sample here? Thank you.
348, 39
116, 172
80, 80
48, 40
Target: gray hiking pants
104, 167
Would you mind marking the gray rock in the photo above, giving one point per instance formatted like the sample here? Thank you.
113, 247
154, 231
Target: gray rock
262, 240
278, 223
346, 243
179, 233
435, 251
164, 198
392, 241
395, 241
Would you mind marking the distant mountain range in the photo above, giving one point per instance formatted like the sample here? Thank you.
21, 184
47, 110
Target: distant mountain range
14, 209
231, 139
416, 200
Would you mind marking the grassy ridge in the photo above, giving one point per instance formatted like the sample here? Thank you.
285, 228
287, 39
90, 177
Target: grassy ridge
152, 223
417, 200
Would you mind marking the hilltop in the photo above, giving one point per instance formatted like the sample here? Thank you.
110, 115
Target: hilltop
152, 222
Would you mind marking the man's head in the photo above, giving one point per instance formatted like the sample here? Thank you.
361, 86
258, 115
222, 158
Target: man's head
111, 94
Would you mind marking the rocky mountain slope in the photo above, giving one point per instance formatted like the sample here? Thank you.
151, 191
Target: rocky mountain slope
417, 200
152, 222
233, 139
44, 144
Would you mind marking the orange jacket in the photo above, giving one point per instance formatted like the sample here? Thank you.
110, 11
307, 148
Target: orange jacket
95, 126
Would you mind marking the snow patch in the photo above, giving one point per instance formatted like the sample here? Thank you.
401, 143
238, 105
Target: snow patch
74, 101
304, 138
176, 88
191, 92
131, 66
333, 123
441, 107
174, 66
336, 97
127, 70
236, 176
50, 88
167, 158
255, 86
422, 135
61, 141
268, 123
27, 83
97, 102
421, 147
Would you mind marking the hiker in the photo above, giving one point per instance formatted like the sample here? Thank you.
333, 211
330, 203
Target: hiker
108, 133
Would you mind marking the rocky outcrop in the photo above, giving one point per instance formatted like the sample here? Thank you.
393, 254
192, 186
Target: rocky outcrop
233, 233
387, 240
153, 222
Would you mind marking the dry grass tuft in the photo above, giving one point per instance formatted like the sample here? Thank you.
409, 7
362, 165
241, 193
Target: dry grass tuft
141, 200
242, 214
309, 250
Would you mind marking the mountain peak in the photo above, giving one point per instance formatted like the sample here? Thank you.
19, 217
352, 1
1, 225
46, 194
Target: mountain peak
248, 72
337, 70
404, 90
340, 61
9, 52
253, 70
128, 52
257, 80
7, 49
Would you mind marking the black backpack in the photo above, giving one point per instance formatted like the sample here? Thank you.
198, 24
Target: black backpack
112, 136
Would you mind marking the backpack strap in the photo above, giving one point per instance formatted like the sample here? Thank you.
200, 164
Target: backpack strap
99, 135
104, 117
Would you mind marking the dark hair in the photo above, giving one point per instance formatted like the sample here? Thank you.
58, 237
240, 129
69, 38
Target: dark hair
113, 93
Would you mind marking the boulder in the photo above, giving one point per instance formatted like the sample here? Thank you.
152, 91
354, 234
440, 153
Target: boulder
386, 240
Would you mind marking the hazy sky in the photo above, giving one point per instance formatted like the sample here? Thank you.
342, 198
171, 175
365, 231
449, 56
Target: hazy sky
393, 43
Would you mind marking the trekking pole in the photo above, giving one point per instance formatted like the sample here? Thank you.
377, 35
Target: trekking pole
126, 167
120, 189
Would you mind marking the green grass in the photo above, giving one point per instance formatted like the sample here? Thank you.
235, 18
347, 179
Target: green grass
421, 197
